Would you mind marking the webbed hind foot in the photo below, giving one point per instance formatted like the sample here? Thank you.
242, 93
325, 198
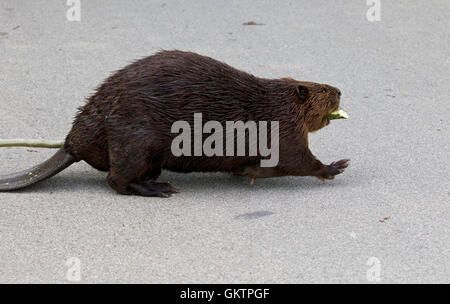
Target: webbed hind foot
150, 188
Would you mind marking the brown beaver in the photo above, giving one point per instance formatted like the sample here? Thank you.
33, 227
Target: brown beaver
125, 127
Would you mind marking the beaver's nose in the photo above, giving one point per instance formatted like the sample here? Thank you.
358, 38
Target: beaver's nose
339, 93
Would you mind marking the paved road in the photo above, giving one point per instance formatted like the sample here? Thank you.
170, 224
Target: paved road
394, 75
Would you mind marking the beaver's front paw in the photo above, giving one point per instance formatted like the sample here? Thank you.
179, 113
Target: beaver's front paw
335, 168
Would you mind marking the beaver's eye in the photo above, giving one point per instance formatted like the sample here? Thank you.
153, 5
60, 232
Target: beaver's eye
324, 90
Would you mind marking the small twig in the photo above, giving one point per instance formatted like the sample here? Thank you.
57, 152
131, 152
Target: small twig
36, 143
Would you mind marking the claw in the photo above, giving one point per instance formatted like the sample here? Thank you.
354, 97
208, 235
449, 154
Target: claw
164, 194
335, 168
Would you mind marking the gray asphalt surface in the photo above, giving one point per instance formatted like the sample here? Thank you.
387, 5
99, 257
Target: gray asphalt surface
394, 75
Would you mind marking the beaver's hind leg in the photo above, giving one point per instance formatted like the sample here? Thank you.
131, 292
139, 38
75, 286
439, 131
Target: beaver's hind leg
131, 172
149, 178
150, 188
152, 174
128, 181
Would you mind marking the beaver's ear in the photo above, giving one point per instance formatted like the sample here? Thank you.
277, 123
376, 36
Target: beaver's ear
302, 92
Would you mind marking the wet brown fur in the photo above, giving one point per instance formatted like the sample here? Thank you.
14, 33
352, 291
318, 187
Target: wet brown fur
125, 127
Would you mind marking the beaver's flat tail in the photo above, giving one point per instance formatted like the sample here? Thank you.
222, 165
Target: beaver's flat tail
52, 166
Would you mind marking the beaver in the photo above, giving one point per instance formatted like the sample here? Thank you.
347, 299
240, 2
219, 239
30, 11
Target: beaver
125, 126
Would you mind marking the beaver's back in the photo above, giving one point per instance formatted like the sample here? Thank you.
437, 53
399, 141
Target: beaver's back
137, 105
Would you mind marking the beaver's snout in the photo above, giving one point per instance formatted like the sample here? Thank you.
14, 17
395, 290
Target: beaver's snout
333, 96
334, 104
337, 99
